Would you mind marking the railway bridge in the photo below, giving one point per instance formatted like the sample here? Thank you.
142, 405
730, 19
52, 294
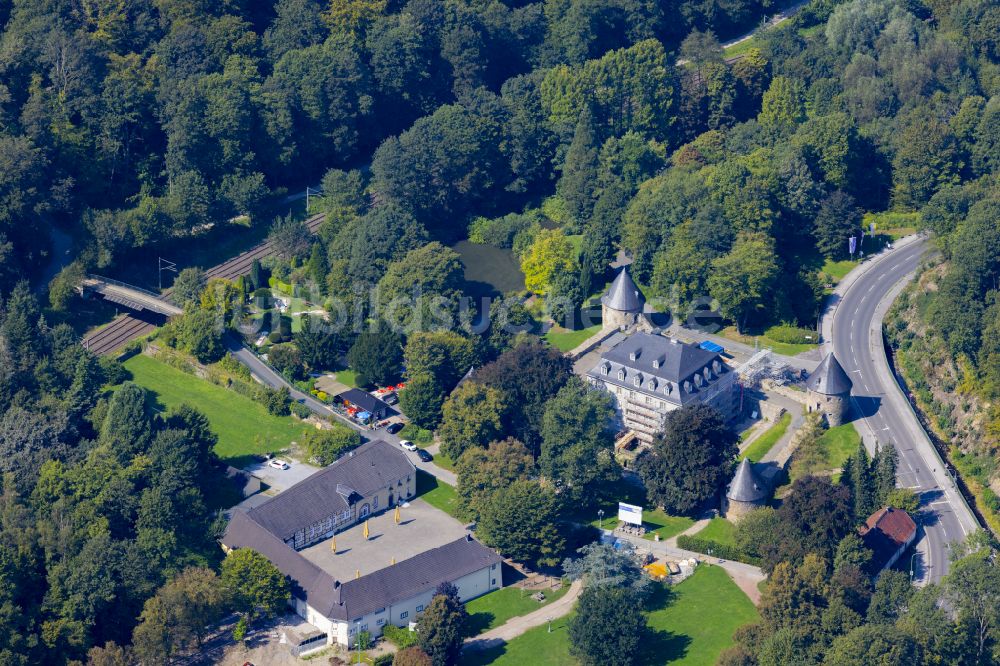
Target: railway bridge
132, 297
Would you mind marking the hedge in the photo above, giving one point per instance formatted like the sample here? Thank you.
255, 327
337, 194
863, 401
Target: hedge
725, 551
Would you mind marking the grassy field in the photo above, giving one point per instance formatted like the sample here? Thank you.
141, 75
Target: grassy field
719, 530
839, 444
760, 446
689, 625
347, 377
565, 339
783, 348
493, 609
740, 49
243, 426
437, 493
694, 626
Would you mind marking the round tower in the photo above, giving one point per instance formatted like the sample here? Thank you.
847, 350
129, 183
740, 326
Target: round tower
621, 307
828, 391
746, 492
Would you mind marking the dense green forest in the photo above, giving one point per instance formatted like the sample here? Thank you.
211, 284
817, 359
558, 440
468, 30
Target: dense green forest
516, 124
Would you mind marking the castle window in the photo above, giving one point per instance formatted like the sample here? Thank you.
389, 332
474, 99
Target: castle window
621, 375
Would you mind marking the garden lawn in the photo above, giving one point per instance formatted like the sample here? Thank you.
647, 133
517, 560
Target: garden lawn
839, 443
244, 427
689, 624
760, 446
536, 647
783, 348
347, 378
658, 522
564, 339
694, 627
718, 530
493, 609
437, 493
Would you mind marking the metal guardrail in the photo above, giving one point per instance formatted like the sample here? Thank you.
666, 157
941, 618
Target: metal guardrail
125, 285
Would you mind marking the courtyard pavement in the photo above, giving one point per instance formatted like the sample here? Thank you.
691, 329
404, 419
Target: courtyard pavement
421, 528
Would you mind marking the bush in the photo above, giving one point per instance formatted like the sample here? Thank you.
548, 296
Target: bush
725, 551
792, 335
400, 637
277, 401
300, 411
383, 659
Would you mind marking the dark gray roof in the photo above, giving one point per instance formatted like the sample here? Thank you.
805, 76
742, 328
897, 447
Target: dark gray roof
662, 365
357, 597
371, 466
747, 486
365, 401
416, 575
623, 295
829, 378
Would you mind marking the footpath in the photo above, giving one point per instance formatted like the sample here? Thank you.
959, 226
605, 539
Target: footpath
516, 626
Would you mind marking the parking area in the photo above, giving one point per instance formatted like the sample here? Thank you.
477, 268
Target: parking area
281, 479
421, 528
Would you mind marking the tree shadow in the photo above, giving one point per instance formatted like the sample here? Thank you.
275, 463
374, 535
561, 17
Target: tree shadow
660, 646
477, 623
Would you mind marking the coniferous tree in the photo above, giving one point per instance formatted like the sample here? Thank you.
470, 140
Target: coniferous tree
580, 170
862, 484
884, 473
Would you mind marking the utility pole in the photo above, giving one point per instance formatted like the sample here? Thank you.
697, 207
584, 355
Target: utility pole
164, 265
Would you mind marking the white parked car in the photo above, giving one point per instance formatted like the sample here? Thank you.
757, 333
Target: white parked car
277, 464
408, 445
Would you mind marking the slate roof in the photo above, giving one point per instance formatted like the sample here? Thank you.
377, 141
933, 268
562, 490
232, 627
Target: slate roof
365, 401
661, 364
747, 486
356, 598
829, 378
623, 295
370, 467
886, 532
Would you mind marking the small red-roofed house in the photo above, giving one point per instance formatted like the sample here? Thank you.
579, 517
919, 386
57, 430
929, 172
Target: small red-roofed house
888, 533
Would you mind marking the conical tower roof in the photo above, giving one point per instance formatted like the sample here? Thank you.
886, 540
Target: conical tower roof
623, 295
746, 486
829, 378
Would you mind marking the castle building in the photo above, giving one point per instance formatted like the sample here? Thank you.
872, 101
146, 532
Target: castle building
828, 390
649, 376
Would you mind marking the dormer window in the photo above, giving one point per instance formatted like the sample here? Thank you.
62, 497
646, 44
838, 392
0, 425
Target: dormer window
637, 381
621, 375
635, 354
656, 363
707, 373
688, 386
699, 380
717, 367
668, 388
605, 369
651, 385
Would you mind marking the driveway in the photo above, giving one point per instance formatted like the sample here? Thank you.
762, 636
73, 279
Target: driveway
269, 377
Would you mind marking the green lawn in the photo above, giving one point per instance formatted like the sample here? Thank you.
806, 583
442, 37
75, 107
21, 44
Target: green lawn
243, 426
347, 377
690, 624
564, 339
658, 522
694, 626
537, 647
783, 348
493, 609
740, 49
838, 269
719, 530
839, 443
760, 446
437, 493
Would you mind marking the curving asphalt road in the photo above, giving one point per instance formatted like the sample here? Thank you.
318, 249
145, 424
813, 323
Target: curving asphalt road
852, 327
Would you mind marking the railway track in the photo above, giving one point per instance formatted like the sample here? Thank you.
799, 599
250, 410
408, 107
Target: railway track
129, 327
